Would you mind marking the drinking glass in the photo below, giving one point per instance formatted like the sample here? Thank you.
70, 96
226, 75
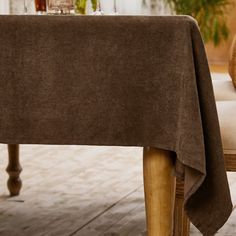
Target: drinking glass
114, 10
40, 6
60, 6
25, 7
98, 11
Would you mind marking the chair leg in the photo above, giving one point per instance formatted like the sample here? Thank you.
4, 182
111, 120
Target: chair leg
14, 169
181, 221
159, 188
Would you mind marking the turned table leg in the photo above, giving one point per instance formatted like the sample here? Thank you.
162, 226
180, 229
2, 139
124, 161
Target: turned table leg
14, 169
181, 221
159, 188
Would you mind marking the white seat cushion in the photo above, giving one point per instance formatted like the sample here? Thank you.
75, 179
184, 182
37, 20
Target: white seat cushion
224, 90
227, 118
220, 76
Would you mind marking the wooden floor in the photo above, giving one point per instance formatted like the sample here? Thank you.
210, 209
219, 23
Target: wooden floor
219, 68
80, 191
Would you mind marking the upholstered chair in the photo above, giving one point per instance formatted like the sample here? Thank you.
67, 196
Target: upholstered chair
225, 95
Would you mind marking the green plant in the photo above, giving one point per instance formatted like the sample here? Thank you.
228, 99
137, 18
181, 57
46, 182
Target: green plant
210, 14
80, 6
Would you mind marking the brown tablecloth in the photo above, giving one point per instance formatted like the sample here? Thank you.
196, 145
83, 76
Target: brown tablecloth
117, 80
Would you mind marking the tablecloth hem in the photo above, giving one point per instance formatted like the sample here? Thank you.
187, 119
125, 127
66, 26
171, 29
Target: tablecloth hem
206, 231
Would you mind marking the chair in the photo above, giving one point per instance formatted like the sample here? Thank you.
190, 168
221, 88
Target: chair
227, 114
225, 95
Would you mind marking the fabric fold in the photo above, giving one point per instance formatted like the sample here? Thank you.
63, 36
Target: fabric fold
117, 80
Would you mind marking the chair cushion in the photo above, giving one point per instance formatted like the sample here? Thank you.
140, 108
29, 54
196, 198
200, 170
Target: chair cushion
227, 118
224, 90
232, 62
220, 76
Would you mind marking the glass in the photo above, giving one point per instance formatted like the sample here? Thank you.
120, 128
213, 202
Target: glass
98, 11
60, 6
25, 7
114, 11
84, 7
29, 7
40, 6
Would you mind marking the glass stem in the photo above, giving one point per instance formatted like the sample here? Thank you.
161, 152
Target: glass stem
98, 5
115, 8
25, 7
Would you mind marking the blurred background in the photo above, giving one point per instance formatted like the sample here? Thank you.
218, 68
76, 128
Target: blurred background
133, 7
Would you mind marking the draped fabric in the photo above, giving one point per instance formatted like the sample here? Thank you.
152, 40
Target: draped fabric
117, 80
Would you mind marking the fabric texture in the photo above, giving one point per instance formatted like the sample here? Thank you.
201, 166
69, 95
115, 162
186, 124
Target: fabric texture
117, 80
232, 61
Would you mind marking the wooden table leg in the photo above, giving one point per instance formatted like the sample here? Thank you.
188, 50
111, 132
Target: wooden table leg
159, 188
181, 221
14, 169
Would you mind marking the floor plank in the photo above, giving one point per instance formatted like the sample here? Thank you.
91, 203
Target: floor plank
80, 191
127, 214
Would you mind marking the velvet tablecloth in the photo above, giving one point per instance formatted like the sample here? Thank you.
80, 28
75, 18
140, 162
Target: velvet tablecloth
117, 80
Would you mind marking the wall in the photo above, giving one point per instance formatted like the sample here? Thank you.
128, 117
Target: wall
219, 55
17, 6
4, 7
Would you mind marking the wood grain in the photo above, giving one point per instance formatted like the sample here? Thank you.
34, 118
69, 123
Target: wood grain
159, 188
181, 221
14, 169
230, 162
81, 191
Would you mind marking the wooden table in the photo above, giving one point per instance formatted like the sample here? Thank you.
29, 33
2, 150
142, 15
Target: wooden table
118, 81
